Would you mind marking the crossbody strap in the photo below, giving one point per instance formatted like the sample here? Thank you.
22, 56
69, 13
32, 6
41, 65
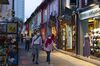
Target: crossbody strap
36, 38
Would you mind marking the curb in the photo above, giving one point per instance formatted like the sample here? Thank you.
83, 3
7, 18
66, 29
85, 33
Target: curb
96, 62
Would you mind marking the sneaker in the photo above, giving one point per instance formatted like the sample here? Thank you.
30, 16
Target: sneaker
48, 62
33, 59
37, 63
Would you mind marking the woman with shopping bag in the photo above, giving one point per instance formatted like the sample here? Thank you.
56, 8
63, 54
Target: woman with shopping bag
49, 46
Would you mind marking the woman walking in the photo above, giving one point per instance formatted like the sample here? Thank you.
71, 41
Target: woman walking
48, 47
36, 43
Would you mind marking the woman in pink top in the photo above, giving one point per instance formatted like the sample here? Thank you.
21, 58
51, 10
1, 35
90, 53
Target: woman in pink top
48, 47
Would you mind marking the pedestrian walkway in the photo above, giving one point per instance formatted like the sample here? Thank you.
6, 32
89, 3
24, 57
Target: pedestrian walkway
89, 59
26, 59
57, 59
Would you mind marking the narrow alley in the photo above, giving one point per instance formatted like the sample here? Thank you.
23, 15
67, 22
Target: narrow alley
57, 59
71, 27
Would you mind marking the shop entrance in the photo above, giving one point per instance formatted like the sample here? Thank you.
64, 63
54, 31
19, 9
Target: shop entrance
91, 27
63, 35
8, 43
94, 35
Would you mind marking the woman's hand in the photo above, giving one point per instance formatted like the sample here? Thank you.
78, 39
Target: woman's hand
31, 45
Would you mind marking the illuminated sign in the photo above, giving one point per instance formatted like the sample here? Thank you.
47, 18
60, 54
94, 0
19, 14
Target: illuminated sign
90, 13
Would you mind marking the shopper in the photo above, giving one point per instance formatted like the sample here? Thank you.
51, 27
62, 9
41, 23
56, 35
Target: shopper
49, 46
36, 44
27, 44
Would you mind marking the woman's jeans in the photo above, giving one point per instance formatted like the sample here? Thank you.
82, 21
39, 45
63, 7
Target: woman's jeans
27, 44
48, 56
36, 49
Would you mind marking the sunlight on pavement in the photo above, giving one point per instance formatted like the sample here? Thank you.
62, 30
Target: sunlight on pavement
73, 60
57, 59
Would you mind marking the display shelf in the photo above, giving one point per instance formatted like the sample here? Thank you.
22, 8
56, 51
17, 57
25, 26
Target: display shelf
95, 48
8, 43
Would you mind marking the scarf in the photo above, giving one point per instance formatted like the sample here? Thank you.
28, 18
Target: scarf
48, 42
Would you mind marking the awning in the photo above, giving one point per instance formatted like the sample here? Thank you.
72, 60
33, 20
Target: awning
66, 14
67, 11
4, 2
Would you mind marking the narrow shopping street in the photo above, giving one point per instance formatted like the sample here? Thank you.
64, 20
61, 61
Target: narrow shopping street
57, 59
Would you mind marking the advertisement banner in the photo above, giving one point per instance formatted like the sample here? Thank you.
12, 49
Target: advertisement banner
12, 28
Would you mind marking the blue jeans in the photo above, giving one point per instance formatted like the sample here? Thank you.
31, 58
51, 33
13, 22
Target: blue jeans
48, 56
27, 44
36, 49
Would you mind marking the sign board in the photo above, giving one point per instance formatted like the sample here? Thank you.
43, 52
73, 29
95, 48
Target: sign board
12, 27
2, 27
90, 13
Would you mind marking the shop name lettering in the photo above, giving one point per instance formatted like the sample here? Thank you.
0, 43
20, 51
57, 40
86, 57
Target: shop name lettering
90, 14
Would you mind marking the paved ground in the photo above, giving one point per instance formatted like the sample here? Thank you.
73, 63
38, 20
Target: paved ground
57, 59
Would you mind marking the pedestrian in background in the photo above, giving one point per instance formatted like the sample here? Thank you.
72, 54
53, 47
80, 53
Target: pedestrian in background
27, 44
49, 46
36, 45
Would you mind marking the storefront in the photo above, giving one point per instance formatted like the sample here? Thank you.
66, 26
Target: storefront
30, 29
52, 25
90, 24
67, 31
43, 31
63, 35
66, 34
9, 43
26, 28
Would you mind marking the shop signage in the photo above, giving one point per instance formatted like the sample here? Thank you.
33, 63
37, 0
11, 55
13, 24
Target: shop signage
90, 13
12, 27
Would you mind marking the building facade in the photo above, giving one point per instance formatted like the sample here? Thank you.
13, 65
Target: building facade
7, 9
89, 25
19, 9
69, 21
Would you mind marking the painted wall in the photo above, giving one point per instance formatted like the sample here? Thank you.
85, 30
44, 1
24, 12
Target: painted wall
6, 10
45, 15
39, 18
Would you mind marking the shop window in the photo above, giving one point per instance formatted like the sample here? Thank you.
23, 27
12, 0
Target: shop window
73, 2
89, 2
0, 10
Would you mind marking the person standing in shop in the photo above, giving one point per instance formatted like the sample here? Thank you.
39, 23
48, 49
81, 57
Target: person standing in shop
36, 45
86, 48
27, 44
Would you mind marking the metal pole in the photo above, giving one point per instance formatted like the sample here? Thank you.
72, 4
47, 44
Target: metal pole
13, 12
77, 34
77, 29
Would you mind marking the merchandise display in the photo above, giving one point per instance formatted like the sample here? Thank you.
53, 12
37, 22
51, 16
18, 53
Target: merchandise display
95, 47
8, 46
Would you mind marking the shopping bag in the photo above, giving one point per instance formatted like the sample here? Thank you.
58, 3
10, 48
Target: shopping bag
54, 46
